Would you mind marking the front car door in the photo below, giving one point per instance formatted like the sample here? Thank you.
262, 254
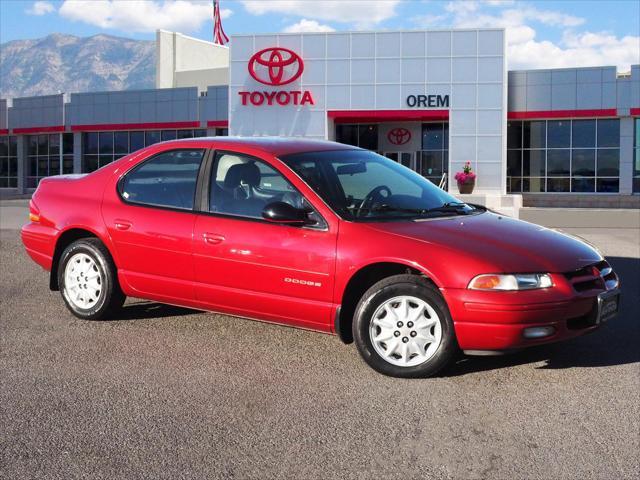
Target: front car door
149, 217
247, 266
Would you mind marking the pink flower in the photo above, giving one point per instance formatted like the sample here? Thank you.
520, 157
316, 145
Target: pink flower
466, 175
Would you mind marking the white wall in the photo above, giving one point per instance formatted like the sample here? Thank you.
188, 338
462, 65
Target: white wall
377, 71
183, 61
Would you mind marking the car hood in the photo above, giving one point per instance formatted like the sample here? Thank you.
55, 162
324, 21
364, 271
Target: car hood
507, 244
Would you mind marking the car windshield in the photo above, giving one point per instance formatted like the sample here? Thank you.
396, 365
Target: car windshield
361, 185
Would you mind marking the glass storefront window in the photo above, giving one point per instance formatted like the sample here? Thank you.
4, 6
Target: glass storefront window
534, 134
168, 135
151, 137
514, 163
433, 136
636, 157
514, 135
106, 143
564, 156
584, 162
136, 141
559, 134
583, 133
435, 151
608, 162
101, 148
8, 162
608, 133
50, 154
364, 136
121, 142
558, 162
534, 163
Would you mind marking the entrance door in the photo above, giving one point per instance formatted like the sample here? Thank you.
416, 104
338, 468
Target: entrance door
408, 159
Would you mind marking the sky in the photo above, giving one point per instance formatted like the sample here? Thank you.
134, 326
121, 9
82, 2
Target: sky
540, 34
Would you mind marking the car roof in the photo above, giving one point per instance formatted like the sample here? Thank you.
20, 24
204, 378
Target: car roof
273, 145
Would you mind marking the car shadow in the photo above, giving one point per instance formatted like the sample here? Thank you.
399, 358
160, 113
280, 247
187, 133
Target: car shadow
615, 343
140, 310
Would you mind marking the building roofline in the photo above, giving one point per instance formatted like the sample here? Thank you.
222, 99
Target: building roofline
356, 32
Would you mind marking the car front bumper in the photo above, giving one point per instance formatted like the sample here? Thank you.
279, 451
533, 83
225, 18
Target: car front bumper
497, 321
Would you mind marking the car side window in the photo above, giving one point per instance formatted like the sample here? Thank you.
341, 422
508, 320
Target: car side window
166, 180
243, 186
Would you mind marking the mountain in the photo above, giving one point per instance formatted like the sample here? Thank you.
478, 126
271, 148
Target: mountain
66, 63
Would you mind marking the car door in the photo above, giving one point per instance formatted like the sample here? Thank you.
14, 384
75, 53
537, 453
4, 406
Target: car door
150, 219
250, 267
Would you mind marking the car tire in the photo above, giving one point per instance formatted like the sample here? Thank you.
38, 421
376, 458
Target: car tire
88, 280
402, 328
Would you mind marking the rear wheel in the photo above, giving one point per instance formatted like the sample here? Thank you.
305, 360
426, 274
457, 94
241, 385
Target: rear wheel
88, 280
402, 328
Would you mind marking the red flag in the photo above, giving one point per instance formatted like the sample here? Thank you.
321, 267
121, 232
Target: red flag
219, 36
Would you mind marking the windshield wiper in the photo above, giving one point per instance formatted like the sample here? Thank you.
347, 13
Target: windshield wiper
390, 208
449, 207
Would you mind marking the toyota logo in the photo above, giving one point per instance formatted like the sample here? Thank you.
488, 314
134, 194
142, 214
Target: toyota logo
276, 66
399, 136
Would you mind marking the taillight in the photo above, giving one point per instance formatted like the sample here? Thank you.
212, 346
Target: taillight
34, 212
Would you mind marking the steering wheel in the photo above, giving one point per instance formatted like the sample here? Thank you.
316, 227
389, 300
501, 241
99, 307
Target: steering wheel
373, 196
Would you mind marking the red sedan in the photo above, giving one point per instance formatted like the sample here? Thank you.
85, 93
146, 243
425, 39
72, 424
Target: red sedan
316, 235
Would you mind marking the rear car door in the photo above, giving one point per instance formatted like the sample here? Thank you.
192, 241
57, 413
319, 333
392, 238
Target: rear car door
250, 267
149, 216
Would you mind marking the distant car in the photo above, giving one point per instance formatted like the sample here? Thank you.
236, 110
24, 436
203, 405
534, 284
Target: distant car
317, 235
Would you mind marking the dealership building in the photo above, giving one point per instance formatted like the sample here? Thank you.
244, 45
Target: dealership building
431, 100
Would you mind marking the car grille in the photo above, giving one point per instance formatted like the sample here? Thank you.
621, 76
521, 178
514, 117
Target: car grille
599, 276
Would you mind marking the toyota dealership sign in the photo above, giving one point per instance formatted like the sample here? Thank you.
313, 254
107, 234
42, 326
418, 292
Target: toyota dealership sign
399, 136
276, 67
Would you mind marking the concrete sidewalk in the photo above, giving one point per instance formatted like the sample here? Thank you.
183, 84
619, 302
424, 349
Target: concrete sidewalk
582, 217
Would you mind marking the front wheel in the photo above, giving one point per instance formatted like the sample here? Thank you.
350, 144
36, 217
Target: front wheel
402, 328
88, 280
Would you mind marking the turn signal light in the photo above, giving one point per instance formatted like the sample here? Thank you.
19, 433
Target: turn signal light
485, 282
34, 211
515, 281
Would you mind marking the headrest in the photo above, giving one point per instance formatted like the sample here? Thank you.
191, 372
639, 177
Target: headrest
248, 173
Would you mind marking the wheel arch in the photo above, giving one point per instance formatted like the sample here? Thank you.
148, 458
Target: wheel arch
361, 280
66, 238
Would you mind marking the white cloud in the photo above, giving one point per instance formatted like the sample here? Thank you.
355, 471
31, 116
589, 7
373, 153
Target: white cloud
586, 49
524, 50
362, 13
142, 15
305, 25
40, 8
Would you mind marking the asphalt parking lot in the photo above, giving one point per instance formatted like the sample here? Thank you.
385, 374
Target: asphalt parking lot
173, 393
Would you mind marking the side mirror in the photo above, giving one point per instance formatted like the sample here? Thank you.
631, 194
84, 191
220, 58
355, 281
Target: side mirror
285, 214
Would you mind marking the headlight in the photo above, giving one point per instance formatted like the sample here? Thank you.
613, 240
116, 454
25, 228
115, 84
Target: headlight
518, 281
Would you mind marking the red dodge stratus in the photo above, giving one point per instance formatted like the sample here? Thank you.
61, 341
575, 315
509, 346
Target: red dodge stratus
316, 235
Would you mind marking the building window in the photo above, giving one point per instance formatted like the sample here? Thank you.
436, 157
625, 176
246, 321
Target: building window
636, 157
579, 156
48, 154
363, 136
220, 132
102, 148
8, 162
433, 160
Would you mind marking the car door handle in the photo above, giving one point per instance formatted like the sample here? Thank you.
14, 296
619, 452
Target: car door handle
212, 238
122, 224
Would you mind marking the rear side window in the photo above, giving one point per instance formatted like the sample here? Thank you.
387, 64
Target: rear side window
166, 180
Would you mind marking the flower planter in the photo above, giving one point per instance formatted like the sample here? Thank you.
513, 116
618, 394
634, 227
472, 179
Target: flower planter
466, 187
